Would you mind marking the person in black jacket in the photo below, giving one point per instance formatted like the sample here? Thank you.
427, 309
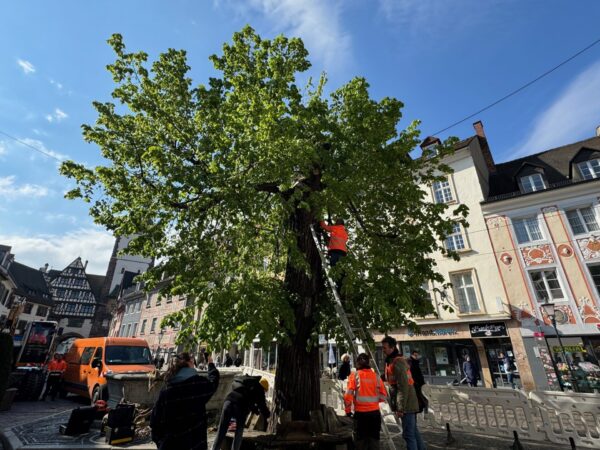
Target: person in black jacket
345, 370
178, 419
414, 362
470, 371
248, 394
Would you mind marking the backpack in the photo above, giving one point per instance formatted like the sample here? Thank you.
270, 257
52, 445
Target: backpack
247, 383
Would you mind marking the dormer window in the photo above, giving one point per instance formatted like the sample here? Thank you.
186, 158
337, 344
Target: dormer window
589, 169
532, 183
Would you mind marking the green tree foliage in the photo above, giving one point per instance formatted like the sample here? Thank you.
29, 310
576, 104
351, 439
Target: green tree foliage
222, 181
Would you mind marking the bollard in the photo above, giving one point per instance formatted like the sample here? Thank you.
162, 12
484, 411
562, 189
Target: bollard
572, 442
517, 444
449, 438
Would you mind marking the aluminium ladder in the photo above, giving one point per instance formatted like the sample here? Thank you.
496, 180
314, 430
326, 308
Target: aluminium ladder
353, 334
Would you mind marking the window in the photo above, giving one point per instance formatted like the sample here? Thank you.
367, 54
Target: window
589, 169
74, 322
455, 240
128, 330
86, 356
143, 327
466, 295
28, 307
582, 220
122, 332
134, 330
531, 183
138, 306
169, 298
42, 311
595, 273
546, 285
527, 230
122, 354
153, 326
158, 300
442, 192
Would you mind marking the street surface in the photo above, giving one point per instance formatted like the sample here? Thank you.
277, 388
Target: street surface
26, 412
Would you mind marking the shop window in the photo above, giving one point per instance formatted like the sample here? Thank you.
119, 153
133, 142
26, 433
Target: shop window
582, 220
527, 230
532, 183
595, 273
546, 285
589, 169
465, 292
442, 192
455, 240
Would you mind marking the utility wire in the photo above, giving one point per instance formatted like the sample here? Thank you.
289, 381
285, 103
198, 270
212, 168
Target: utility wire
516, 91
31, 146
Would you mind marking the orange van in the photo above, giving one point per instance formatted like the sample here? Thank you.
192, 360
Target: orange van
89, 360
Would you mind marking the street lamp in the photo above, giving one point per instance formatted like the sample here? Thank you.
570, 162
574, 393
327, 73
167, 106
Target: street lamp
549, 309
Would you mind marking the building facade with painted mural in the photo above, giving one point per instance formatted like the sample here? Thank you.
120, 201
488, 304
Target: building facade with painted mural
543, 218
479, 325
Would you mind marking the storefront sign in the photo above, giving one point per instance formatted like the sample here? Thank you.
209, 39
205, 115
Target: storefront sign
433, 332
490, 329
568, 348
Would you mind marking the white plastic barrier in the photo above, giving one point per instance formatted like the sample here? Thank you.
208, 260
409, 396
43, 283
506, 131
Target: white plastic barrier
543, 416
569, 415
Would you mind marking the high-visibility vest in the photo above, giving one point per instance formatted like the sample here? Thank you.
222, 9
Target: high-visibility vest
365, 391
391, 377
337, 236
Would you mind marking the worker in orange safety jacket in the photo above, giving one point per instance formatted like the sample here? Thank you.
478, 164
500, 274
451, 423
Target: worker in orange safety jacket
338, 237
365, 391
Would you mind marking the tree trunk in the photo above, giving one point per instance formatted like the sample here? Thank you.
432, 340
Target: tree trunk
297, 378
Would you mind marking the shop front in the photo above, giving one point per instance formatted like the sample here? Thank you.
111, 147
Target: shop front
444, 348
582, 353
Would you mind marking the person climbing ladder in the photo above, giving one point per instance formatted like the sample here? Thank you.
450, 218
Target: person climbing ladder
338, 237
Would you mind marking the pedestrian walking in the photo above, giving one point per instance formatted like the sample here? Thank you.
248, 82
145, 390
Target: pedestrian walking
218, 361
508, 367
56, 371
365, 392
470, 371
414, 362
403, 396
344, 371
178, 420
248, 394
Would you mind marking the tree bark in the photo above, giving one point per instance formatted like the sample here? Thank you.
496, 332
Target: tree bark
298, 375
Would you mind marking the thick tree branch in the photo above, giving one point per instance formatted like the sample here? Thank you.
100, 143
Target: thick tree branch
354, 210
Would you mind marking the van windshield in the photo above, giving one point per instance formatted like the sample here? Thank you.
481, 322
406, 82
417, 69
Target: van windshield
125, 354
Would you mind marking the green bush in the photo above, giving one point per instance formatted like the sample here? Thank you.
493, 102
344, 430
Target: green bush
6, 354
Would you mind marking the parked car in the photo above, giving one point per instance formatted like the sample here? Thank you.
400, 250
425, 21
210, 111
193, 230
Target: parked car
89, 360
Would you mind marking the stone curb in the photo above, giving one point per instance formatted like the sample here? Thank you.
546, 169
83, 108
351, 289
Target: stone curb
12, 442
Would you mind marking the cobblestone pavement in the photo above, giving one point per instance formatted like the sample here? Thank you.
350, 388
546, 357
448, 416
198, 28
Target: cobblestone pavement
22, 413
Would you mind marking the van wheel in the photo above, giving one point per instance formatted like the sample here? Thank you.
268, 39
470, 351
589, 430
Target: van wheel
99, 393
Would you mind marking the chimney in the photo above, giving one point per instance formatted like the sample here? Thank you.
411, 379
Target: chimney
479, 129
485, 148
45, 268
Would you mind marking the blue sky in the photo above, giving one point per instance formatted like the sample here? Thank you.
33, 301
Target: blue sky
443, 59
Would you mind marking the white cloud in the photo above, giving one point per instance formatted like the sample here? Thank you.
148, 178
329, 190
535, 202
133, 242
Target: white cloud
573, 115
435, 18
10, 190
26, 66
59, 250
2, 148
58, 85
41, 147
58, 115
59, 217
317, 22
